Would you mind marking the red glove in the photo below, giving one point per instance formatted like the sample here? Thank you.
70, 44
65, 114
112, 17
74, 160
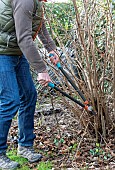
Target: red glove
54, 59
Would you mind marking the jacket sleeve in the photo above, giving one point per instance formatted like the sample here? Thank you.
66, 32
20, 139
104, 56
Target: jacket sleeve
46, 39
22, 13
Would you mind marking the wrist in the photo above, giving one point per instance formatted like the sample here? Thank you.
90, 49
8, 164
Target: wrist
52, 51
43, 71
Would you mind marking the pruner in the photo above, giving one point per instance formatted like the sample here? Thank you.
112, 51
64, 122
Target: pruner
84, 105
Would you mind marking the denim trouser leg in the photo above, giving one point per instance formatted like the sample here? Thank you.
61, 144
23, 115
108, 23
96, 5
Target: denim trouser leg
17, 92
28, 97
9, 97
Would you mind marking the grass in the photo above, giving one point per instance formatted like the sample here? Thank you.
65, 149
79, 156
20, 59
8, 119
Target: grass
45, 166
12, 154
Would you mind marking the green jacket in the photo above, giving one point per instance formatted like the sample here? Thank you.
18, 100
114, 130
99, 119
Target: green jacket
8, 40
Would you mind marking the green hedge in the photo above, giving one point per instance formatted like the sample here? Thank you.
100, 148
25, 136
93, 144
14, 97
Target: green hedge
61, 17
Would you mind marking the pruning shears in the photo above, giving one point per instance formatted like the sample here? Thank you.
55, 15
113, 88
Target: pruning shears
84, 105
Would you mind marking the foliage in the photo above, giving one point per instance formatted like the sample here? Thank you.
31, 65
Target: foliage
61, 18
99, 152
45, 166
58, 141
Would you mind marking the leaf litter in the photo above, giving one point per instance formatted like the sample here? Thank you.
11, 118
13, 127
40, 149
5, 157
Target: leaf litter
61, 140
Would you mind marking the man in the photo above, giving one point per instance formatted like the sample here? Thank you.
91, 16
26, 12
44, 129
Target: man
20, 22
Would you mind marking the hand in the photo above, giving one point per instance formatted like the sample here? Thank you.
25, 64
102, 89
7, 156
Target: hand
54, 59
44, 78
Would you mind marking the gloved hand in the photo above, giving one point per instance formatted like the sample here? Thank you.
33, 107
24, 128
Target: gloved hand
44, 78
54, 59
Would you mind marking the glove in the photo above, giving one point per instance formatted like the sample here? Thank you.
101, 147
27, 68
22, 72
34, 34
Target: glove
44, 78
54, 59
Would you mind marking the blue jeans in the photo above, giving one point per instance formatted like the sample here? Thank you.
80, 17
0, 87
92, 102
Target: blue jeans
17, 94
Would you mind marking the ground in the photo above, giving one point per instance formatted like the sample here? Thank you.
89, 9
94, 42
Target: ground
63, 143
